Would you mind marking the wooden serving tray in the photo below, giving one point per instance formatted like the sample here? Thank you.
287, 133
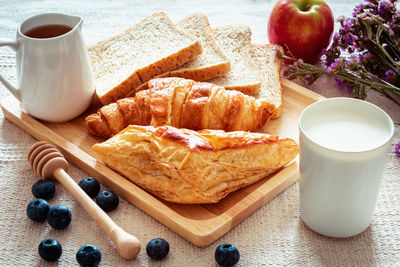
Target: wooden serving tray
199, 224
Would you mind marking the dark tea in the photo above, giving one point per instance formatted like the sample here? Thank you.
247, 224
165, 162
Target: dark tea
48, 31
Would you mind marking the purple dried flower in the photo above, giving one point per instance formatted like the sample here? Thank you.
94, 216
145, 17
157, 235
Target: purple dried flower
370, 19
336, 38
358, 9
389, 75
348, 24
369, 60
397, 149
386, 10
353, 62
349, 39
372, 3
328, 61
336, 66
360, 58
355, 53
366, 7
395, 28
388, 29
331, 54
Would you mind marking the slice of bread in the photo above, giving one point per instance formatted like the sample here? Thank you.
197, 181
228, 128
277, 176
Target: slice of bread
212, 63
269, 66
152, 47
235, 43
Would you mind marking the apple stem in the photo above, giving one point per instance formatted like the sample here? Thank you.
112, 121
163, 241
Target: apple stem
305, 7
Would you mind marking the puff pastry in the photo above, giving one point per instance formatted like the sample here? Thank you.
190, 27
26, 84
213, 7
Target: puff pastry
185, 166
182, 103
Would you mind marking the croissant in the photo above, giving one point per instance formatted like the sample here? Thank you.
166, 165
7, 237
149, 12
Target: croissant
182, 103
185, 166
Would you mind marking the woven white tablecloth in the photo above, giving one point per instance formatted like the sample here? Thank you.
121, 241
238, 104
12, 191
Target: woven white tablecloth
273, 236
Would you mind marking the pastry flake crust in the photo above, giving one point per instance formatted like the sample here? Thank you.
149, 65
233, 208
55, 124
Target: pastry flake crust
182, 103
185, 166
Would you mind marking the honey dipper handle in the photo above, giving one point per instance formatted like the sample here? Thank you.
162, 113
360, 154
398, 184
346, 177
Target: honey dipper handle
127, 245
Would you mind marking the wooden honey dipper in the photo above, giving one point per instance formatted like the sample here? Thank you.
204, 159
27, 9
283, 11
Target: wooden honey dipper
47, 161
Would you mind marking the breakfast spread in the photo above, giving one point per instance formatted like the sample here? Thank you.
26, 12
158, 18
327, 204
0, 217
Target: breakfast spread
150, 123
186, 166
157, 93
182, 103
178, 102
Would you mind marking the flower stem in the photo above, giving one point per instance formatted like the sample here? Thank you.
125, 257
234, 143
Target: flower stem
301, 69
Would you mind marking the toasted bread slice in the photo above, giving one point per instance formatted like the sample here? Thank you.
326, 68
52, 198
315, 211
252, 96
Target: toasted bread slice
269, 67
212, 63
152, 47
235, 43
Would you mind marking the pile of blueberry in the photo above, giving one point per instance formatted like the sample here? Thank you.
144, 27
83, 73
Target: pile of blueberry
106, 199
39, 210
59, 217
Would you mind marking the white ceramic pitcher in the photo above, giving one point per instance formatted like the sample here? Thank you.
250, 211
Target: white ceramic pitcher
54, 76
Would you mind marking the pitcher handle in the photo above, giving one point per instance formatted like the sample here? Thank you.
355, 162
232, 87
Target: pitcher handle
12, 89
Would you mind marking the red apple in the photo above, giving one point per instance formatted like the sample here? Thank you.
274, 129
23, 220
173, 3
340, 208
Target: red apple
304, 26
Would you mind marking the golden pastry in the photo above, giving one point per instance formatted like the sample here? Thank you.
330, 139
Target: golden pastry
182, 103
185, 166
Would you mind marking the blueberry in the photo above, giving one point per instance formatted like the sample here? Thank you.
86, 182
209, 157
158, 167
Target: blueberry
90, 185
107, 200
37, 210
157, 248
43, 189
50, 250
59, 217
88, 256
227, 255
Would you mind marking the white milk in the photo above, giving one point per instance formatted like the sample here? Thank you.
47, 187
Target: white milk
344, 144
343, 131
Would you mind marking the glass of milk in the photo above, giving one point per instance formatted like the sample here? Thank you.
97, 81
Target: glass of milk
344, 144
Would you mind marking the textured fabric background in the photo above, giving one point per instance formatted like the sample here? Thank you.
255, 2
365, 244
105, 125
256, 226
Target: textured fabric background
272, 236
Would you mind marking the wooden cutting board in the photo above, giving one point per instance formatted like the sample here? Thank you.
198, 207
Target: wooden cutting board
199, 224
